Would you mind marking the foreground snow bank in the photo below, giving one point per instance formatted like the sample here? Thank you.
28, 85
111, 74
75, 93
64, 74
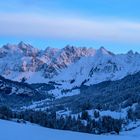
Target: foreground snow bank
14, 131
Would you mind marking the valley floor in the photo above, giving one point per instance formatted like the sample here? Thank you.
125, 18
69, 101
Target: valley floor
15, 131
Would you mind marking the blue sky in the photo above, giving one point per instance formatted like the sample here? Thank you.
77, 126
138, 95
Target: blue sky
114, 24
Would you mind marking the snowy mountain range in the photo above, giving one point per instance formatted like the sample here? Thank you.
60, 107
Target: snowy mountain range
23, 60
69, 67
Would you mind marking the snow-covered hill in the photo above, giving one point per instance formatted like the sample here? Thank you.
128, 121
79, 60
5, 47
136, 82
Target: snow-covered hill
68, 67
15, 94
13, 131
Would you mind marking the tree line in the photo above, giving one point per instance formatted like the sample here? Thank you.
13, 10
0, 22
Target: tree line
79, 123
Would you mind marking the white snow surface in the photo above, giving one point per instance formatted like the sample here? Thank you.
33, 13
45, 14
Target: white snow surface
58, 93
15, 131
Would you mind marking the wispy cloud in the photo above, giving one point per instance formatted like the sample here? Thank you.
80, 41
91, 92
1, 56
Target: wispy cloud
32, 25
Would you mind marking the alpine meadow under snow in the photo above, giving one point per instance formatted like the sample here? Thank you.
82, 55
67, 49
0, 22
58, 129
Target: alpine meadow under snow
12, 131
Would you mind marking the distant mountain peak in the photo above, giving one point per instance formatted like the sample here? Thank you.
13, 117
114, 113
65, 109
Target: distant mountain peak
104, 51
9, 46
25, 46
21, 43
130, 52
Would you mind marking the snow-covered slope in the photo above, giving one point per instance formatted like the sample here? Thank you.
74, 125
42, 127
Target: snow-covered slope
102, 66
17, 94
9, 87
15, 131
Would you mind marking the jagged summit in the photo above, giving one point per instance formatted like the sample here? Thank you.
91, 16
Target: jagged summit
19, 45
53, 51
23, 45
104, 51
130, 52
9, 47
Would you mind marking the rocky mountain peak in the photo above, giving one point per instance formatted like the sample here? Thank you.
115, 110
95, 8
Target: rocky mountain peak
27, 48
104, 51
130, 53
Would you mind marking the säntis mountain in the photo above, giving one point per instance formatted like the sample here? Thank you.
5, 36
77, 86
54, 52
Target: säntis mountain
69, 67
24, 61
